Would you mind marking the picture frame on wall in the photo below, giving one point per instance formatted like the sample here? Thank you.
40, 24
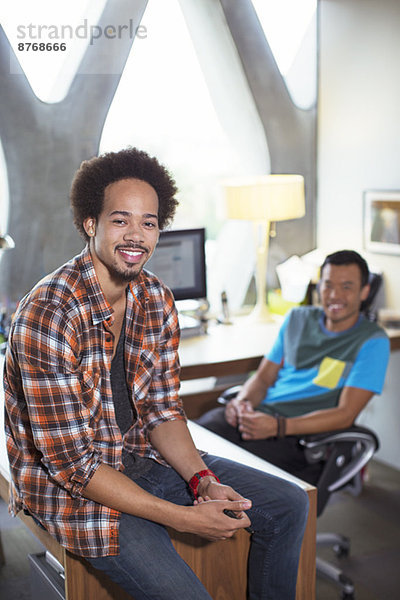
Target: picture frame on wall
381, 222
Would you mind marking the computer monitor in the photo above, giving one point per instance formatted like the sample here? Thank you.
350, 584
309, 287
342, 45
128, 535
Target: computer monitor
179, 261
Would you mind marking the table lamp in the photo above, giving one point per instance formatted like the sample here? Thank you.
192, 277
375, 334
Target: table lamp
264, 200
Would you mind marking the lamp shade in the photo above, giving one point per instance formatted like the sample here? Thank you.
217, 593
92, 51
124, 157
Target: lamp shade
266, 198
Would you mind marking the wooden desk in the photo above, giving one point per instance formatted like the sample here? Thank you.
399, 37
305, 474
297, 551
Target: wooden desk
394, 337
225, 350
206, 440
229, 350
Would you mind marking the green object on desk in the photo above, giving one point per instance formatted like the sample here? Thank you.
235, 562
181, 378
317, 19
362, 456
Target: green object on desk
279, 305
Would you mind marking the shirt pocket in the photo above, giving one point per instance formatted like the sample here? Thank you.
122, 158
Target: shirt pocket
329, 373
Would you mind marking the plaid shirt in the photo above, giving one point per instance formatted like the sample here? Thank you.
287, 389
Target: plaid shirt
60, 420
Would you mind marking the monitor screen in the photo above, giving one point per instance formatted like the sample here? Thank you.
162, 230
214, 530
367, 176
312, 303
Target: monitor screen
179, 261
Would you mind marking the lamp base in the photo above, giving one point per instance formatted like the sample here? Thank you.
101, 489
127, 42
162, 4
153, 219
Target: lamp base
260, 314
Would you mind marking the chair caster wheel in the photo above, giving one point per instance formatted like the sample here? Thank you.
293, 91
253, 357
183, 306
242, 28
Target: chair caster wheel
347, 592
342, 549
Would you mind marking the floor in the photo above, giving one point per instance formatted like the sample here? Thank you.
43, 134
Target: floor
17, 542
371, 520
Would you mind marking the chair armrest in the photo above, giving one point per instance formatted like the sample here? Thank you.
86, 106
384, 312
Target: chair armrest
351, 434
229, 394
359, 442
343, 453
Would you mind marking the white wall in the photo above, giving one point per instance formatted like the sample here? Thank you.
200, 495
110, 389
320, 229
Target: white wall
359, 149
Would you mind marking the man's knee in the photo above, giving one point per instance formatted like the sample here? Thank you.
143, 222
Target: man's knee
298, 504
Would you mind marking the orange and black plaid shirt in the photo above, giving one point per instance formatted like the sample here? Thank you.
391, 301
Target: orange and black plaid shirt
60, 420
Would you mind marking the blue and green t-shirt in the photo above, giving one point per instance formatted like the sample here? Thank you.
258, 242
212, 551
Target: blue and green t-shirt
316, 364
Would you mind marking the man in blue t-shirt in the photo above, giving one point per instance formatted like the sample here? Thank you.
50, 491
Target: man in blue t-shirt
324, 367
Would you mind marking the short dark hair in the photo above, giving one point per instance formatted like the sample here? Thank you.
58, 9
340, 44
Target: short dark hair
348, 257
94, 175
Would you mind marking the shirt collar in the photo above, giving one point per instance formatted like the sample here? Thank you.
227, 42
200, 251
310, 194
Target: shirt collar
338, 333
100, 308
138, 288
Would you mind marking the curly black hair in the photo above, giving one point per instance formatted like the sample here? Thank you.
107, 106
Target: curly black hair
94, 175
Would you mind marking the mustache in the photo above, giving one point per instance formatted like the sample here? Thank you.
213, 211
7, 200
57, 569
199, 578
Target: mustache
132, 247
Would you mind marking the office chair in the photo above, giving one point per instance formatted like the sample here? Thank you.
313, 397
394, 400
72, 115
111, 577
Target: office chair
367, 306
341, 455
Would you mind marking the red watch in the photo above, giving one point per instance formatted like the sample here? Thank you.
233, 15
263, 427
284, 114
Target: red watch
197, 477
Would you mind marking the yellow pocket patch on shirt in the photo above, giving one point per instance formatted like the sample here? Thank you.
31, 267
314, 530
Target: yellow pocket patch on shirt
330, 372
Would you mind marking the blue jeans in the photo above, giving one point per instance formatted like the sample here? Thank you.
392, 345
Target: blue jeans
148, 567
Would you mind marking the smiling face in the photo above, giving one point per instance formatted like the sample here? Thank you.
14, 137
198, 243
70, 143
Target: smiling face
126, 232
341, 295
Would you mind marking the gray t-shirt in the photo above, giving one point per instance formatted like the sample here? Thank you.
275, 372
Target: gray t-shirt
135, 465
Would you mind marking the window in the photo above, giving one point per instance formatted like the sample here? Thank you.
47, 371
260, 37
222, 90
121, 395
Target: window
290, 27
189, 106
50, 72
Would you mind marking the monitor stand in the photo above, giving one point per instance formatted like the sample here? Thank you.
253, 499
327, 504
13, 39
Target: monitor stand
190, 326
192, 317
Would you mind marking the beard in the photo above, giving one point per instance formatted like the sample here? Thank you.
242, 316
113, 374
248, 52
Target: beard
119, 271
124, 275
129, 273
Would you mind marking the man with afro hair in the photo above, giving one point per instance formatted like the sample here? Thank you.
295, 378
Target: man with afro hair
99, 449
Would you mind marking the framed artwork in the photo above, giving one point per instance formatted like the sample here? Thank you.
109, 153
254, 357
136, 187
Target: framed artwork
382, 221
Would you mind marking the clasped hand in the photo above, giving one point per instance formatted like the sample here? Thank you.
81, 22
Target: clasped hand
252, 424
213, 499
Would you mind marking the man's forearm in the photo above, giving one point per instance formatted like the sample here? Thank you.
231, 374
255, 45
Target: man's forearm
114, 489
318, 421
352, 401
256, 387
253, 391
173, 441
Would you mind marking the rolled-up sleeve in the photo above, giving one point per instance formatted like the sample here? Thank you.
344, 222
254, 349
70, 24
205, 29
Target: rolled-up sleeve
61, 399
164, 401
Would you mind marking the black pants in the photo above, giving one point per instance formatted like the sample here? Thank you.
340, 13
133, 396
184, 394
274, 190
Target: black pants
285, 453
